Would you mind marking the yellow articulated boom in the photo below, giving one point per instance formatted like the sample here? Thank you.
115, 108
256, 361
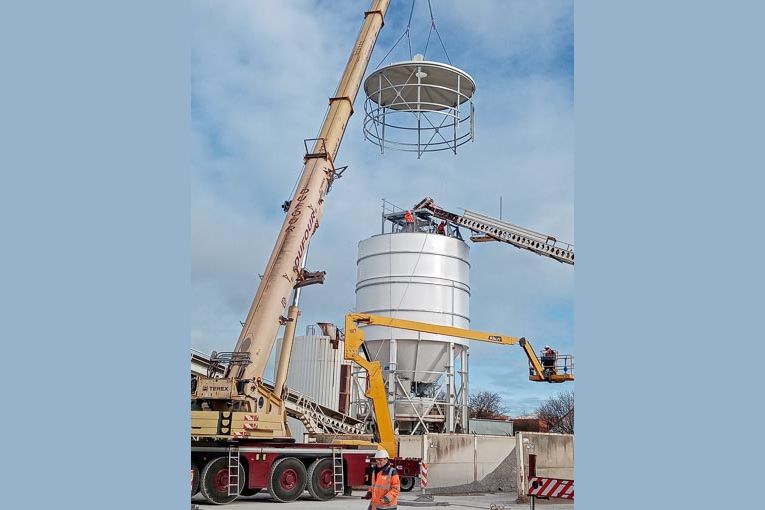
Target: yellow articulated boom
354, 340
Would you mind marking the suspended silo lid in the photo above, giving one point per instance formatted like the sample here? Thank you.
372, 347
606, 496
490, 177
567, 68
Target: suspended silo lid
419, 85
419, 106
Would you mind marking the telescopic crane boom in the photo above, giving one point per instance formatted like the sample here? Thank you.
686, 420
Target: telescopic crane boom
284, 269
241, 389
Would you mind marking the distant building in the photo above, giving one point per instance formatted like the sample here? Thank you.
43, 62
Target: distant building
484, 427
530, 424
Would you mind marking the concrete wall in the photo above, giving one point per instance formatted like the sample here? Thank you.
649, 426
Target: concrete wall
461, 463
554, 452
465, 463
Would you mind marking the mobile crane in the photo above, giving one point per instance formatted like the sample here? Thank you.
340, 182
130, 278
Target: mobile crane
240, 440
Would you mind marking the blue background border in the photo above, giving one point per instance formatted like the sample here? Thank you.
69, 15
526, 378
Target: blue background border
94, 201
95, 259
669, 142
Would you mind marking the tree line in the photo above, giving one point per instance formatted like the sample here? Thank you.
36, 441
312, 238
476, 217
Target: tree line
557, 410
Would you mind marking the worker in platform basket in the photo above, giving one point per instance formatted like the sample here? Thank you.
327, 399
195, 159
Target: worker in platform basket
548, 360
385, 483
409, 220
441, 228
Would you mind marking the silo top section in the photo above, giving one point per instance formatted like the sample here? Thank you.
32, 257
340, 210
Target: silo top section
416, 276
419, 85
414, 255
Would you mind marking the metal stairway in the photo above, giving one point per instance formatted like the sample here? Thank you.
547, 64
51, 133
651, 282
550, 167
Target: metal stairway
318, 418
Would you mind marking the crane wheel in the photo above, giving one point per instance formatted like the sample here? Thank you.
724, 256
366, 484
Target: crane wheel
213, 483
321, 479
407, 483
194, 480
287, 479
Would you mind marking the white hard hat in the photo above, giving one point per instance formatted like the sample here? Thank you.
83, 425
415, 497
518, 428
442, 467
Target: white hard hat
547, 346
381, 454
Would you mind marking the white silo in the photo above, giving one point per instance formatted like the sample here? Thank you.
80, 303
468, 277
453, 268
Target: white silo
421, 276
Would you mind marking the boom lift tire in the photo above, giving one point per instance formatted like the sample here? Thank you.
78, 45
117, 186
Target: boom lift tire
321, 479
287, 479
407, 483
194, 479
214, 481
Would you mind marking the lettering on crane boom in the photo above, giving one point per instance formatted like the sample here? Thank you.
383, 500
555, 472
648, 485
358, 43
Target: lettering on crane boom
495, 338
294, 217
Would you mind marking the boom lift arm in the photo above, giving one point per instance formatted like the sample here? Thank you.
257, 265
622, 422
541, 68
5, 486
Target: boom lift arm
354, 342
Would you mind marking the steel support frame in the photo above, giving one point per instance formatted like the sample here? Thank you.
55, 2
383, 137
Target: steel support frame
453, 379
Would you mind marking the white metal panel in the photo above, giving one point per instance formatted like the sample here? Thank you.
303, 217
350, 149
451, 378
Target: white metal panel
315, 369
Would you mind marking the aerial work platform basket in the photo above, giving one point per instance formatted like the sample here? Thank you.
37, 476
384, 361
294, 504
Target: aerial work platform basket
558, 369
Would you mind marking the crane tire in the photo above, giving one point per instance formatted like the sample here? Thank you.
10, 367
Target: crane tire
321, 479
286, 482
213, 483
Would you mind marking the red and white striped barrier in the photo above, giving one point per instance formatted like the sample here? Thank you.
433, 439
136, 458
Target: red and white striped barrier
423, 475
551, 488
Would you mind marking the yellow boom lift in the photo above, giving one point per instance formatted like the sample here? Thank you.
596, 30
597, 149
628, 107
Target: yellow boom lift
562, 371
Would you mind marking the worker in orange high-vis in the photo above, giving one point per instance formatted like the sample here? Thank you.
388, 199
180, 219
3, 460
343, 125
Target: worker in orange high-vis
409, 220
385, 484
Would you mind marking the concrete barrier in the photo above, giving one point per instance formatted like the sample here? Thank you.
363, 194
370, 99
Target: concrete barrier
554, 453
468, 463
464, 463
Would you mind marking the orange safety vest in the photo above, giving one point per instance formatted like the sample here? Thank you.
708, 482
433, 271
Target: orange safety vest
385, 484
408, 217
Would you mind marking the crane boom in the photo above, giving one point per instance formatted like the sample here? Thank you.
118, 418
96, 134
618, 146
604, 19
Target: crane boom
498, 230
284, 269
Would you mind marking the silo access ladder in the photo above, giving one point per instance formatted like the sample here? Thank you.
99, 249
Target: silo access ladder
498, 230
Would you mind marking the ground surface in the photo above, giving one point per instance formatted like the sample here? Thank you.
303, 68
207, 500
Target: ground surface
481, 501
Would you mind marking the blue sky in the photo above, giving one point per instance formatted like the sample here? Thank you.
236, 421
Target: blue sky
261, 75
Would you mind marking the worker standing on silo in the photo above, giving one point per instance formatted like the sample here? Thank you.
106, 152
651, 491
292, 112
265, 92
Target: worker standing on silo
409, 220
385, 485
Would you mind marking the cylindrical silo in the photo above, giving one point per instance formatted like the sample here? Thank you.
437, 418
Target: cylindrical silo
422, 277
